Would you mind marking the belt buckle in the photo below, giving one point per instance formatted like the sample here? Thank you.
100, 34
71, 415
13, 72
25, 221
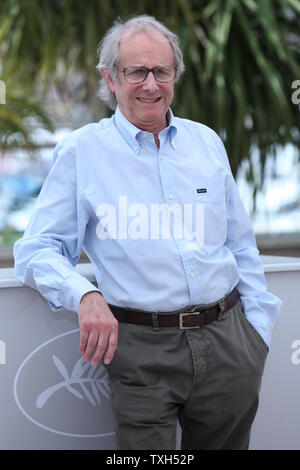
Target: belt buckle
181, 315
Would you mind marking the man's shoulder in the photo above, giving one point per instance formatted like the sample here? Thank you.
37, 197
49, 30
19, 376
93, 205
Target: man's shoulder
85, 132
196, 127
201, 132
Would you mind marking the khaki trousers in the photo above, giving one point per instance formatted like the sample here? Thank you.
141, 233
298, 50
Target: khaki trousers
209, 378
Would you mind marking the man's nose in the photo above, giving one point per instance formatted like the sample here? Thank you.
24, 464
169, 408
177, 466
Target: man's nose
150, 84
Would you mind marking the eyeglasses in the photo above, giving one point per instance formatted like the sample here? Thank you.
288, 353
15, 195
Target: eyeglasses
139, 74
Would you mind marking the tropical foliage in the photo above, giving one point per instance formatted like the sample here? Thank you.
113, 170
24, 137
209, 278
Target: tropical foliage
19, 117
241, 58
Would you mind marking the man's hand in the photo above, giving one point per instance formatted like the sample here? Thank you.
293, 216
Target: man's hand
98, 328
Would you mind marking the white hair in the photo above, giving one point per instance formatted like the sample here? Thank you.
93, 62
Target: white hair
108, 50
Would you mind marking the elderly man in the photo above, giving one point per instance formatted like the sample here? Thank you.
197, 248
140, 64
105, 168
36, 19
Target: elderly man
181, 318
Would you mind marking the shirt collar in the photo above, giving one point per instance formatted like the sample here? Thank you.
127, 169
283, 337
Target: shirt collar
131, 132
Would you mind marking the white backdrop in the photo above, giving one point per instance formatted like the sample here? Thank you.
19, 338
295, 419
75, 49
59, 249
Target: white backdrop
49, 399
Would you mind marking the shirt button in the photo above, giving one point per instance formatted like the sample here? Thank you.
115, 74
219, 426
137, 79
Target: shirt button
171, 196
192, 274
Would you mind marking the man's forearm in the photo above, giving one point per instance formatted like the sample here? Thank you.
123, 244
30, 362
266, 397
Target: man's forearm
98, 328
87, 294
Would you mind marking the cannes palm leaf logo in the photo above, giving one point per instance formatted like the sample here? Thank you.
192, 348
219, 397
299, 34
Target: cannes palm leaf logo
91, 381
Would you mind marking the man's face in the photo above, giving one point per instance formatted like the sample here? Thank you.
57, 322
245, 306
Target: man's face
145, 104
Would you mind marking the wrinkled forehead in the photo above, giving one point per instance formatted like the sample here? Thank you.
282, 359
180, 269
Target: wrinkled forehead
144, 44
151, 33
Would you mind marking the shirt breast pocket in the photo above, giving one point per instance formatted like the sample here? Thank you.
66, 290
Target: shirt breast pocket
212, 198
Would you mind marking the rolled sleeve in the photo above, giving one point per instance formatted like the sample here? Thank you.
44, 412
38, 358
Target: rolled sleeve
51, 246
260, 306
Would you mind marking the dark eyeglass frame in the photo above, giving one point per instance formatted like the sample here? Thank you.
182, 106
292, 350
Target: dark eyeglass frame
123, 69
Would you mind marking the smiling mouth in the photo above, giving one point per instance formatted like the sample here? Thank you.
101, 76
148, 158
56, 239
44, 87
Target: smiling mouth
148, 100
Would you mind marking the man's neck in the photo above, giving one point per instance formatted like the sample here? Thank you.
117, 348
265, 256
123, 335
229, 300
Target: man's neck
156, 134
156, 140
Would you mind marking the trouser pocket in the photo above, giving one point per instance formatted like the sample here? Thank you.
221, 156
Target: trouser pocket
252, 331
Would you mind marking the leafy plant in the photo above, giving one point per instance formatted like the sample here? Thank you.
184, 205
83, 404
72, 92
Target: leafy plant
241, 58
19, 117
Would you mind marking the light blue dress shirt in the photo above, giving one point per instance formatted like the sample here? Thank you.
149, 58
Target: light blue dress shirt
110, 191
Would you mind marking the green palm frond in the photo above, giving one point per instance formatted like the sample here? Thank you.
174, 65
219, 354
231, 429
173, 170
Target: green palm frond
19, 117
241, 58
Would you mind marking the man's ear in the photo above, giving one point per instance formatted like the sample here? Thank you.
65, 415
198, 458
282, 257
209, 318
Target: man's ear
107, 77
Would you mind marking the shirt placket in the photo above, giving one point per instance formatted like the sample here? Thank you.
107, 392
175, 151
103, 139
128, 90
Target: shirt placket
171, 196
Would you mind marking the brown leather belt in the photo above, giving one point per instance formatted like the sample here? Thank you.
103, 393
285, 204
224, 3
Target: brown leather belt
191, 317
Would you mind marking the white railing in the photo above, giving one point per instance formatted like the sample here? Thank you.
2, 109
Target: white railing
50, 400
